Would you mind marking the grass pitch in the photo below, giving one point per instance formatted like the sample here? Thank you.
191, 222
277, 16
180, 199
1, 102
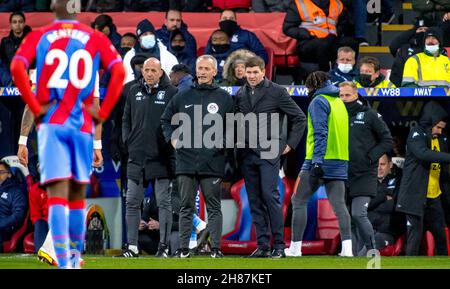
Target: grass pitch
20, 261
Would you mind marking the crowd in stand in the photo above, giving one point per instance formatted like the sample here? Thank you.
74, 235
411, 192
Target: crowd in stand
327, 40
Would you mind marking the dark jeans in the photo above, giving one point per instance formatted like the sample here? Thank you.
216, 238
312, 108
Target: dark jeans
359, 12
40, 233
261, 182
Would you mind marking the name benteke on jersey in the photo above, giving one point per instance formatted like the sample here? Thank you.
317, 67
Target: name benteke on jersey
76, 34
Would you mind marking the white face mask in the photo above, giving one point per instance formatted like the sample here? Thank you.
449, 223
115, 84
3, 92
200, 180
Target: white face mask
432, 48
148, 41
345, 67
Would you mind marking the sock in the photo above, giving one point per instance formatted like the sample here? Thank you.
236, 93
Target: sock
199, 224
133, 248
296, 246
77, 229
347, 247
59, 227
193, 239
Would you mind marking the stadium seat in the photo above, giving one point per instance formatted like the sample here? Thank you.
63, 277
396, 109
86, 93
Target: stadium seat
28, 243
428, 244
327, 233
395, 249
11, 245
448, 51
269, 64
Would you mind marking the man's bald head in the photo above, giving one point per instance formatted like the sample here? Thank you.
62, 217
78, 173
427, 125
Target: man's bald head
65, 9
152, 71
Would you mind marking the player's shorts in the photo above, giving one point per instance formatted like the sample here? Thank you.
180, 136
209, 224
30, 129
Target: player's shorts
64, 153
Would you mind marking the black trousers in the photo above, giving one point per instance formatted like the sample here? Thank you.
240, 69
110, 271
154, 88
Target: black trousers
433, 220
261, 181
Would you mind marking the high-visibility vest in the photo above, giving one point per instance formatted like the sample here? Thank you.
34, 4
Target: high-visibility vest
338, 132
315, 20
427, 71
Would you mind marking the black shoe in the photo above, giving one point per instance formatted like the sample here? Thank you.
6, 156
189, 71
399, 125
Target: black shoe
202, 238
127, 253
162, 252
362, 41
182, 253
216, 253
278, 253
260, 253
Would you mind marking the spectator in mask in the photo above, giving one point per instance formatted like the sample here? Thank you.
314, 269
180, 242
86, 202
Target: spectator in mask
239, 38
173, 21
148, 43
430, 68
234, 69
370, 75
127, 42
178, 47
405, 45
220, 49
345, 69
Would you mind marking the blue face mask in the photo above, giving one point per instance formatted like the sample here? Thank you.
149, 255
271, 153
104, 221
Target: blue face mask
148, 41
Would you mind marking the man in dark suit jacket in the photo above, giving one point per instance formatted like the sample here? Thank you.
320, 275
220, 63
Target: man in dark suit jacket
267, 104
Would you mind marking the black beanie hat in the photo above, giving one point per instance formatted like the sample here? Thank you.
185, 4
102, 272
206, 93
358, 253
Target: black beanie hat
144, 26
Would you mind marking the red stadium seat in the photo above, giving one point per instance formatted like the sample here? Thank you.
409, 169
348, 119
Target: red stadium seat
28, 243
448, 51
395, 249
11, 244
428, 244
269, 64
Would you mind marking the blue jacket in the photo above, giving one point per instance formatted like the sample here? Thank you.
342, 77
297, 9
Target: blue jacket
185, 83
13, 205
318, 110
165, 36
115, 38
337, 76
244, 39
221, 58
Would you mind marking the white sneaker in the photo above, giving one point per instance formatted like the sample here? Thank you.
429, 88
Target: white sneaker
290, 253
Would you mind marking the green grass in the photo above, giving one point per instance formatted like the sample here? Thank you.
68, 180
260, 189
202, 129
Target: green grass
17, 261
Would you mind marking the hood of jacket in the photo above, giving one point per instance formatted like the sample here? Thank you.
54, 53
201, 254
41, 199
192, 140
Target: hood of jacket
432, 114
356, 106
240, 54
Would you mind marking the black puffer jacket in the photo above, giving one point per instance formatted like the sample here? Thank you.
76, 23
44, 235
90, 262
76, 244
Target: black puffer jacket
141, 131
207, 99
369, 139
419, 156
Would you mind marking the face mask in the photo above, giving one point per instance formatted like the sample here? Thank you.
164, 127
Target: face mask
220, 48
432, 48
148, 41
124, 50
345, 67
177, 48
137, 73
419, 38
365, 79
229, 26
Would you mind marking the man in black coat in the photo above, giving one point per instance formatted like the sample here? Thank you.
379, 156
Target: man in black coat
10, 44
369, 139
189, 122
387, 224
261, 163
150, 158
425, 184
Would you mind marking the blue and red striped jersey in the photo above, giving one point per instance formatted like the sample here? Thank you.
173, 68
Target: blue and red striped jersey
68, 55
